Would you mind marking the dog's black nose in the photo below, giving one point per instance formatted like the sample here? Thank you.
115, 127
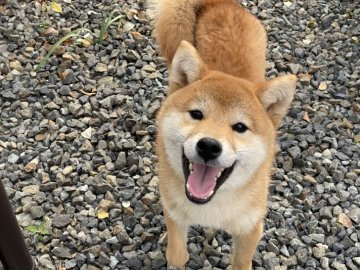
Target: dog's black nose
208, 149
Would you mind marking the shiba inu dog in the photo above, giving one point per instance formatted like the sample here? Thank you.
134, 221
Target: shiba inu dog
217, 127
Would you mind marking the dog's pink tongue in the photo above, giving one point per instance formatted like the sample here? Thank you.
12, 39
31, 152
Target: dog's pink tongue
202, 180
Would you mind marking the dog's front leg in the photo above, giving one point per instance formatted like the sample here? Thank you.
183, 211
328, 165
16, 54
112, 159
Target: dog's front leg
244, 248
176, 253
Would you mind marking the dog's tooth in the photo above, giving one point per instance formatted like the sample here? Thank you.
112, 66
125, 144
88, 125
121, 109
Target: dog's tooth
190, 166
208, 196
187, 186
218, 175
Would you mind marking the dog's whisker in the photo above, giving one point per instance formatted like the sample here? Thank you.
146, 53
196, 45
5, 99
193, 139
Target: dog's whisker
245, 152
246, 170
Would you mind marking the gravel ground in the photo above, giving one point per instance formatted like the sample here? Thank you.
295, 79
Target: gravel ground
77, 138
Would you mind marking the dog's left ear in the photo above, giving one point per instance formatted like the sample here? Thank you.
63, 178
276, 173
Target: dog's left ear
186, 67
276, 96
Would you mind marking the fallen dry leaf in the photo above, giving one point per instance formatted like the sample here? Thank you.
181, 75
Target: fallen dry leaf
142, 14
59, 51
356, 108
163, 238
31, 166
93, 92
322, 86
309, 179
61, 267
102, 214
131, 11
128, 26
39, 137
274, 171
74, 94
50, 31
68, 42
303, 195
304, 76
15, 64
104, 205
347, 124
344, 220
85, 42
69, 56
63, 74
136, 35
306, 117
304, 79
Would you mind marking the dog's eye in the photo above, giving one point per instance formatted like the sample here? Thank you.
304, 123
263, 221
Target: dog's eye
196, 114
240, 127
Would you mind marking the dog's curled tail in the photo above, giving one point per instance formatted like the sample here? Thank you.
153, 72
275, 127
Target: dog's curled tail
174, 21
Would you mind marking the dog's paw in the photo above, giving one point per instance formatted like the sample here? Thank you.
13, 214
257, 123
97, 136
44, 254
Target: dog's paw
175, 268
177, 258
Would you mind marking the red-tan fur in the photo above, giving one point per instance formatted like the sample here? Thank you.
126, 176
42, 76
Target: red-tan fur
216, 29
215, 51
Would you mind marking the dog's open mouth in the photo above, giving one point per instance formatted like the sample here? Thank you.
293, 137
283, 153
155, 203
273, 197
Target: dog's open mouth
202, 181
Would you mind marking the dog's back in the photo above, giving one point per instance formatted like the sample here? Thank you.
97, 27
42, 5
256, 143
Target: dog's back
227, 37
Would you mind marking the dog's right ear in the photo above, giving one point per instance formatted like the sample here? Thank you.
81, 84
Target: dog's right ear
276, 96
186, 67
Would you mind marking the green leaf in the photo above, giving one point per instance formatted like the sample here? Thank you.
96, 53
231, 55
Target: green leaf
38, 229
55, 7
38, 237
32, 228
43, 7
44, 231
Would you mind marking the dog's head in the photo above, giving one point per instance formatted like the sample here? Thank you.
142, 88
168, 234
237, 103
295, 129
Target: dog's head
217, 130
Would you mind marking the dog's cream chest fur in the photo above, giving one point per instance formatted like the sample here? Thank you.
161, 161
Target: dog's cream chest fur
224, 211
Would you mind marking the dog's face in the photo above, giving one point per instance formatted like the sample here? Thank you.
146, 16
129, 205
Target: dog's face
216, 134
217, 130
